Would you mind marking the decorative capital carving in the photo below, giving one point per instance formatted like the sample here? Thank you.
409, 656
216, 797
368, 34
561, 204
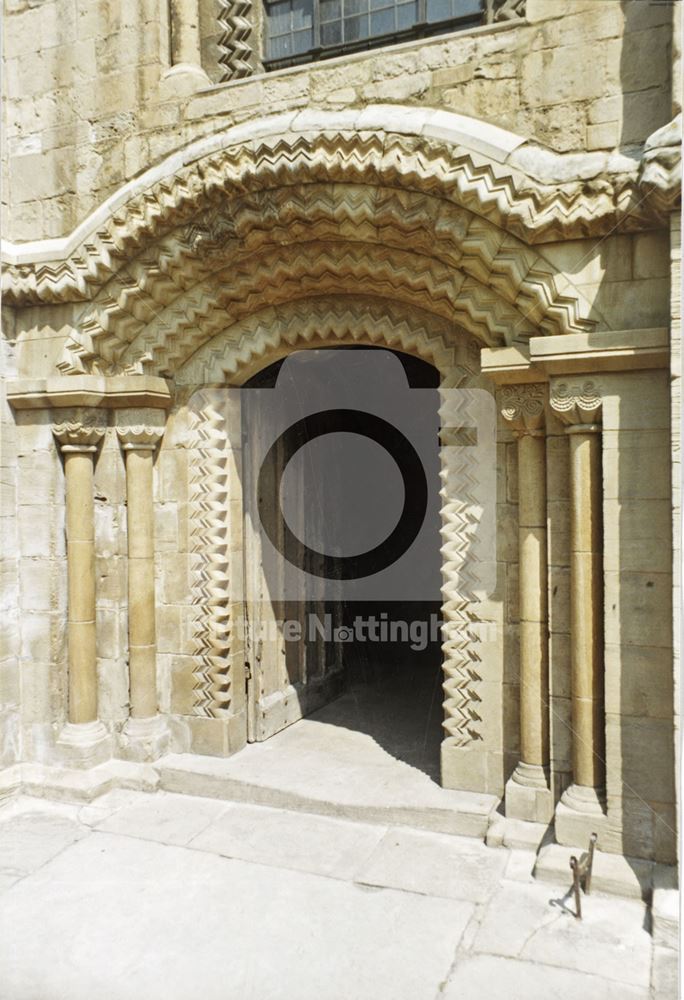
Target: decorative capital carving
140, 429
505, 10
577, 404
80, 429
522, 406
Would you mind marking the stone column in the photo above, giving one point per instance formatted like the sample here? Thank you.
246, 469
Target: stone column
78, 434
185, 73
528, 795
581, 810
140, 432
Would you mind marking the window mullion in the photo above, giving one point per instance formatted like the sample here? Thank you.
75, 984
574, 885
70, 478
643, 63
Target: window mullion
316, 24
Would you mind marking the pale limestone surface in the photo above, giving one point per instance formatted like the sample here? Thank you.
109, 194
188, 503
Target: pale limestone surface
486, 191
179, 894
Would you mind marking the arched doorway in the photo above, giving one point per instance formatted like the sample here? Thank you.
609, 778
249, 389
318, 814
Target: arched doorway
365, 657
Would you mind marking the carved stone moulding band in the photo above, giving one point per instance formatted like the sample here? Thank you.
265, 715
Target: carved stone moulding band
522, 405
80, 429
532, 192
140, 429
577, 404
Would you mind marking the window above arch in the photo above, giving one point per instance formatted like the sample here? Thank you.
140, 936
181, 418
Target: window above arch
300, 31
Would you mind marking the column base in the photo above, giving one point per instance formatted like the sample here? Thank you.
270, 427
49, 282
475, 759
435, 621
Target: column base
183, 79
528, 795
144, 739
84, 744
580, 812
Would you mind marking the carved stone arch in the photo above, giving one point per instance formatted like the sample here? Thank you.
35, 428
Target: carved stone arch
231, 358
275, 241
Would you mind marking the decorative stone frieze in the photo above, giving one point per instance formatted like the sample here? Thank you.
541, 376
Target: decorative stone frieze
530, 192
80, 429
577, 403
236, 31
522, 406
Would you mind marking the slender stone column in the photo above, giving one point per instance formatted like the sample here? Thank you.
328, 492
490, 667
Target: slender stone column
78, 435
186, 55
139, 432
579, 406
528, 795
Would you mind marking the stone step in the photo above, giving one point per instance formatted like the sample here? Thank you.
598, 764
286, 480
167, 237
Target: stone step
321, 788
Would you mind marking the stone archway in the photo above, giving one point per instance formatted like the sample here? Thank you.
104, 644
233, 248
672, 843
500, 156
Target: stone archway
230, 359
412, 231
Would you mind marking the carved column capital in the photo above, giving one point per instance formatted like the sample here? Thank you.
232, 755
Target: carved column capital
140, 429
522, 406
577, 404
80, 429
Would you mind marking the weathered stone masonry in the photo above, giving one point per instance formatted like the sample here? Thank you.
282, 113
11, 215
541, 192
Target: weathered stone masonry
502, 201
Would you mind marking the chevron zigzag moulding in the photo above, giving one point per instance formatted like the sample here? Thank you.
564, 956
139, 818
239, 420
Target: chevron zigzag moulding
235, 354
531, 193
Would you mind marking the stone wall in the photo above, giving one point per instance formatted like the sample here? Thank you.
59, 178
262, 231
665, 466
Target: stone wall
87, 106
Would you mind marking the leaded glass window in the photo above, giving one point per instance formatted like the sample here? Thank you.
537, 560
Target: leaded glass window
302, 30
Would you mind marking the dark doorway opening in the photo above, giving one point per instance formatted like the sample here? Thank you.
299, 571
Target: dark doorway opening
384, 678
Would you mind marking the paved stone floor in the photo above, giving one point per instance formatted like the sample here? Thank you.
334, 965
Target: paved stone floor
139, 897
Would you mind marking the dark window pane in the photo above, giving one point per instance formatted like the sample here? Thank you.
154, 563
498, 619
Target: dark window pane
354, 7
302, 14
330, 10
280, 48
331, 33
355, 28
439, 10
464, 7
303, 40
279, 18
380, 4
407, 15
382, 22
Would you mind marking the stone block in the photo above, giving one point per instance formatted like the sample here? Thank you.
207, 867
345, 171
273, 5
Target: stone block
112, 687
639, 472
603, 136
41, 479
640, 751
643, 112
626, 305
41, 586
557, 76
605, 109
645, 58
612, 874
638, 609
639, 681
173, 577
171, 475
651, 255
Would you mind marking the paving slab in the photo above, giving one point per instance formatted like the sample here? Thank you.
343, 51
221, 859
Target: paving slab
319, 844
168, 818
123, 918
30, 839
488, 977
532, 922
436, 864
665, 973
